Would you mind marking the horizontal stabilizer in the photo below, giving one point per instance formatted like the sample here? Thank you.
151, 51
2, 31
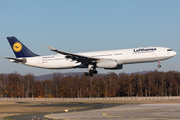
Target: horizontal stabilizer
22, 60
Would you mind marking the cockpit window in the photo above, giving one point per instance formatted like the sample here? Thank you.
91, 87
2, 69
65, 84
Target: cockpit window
169, 49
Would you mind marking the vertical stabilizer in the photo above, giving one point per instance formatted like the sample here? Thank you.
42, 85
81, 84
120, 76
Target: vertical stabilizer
20, 50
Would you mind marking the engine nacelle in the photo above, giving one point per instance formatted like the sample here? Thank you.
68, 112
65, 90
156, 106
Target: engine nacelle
107, 64
116, 68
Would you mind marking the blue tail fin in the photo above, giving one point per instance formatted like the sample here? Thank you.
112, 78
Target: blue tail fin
19, 49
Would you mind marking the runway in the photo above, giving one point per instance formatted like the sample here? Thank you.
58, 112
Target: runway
125, 112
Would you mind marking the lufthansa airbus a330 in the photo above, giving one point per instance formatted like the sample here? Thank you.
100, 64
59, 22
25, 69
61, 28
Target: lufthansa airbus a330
111, 59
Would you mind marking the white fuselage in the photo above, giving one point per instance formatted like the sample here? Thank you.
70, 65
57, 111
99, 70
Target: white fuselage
123, 56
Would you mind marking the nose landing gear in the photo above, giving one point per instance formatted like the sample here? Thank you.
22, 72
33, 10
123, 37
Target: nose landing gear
159, 65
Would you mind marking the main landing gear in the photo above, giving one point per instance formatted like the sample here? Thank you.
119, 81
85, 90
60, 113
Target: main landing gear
92, 71
159, 65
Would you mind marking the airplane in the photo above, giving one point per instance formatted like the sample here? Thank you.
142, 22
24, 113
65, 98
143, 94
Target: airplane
111, 59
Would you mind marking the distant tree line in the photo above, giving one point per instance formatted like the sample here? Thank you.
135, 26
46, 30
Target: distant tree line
152, 83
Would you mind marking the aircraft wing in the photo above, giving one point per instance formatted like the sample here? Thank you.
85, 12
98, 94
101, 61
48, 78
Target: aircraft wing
78, 58
22, 60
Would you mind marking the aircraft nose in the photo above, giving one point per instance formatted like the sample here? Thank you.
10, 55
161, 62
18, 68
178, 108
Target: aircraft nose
174, 53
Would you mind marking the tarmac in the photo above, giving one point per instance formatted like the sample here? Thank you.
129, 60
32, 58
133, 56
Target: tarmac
113, 112
125, 112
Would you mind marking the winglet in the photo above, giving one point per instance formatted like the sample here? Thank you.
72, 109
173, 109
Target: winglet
50, 48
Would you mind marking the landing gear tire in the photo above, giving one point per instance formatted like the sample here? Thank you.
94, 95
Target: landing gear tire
95, 71
159, 66
91, 72
86, 73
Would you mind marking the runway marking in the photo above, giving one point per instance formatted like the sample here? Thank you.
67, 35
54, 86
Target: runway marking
47, 116
113, 116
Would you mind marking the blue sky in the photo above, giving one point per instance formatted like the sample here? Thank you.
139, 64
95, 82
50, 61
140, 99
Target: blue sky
89, 25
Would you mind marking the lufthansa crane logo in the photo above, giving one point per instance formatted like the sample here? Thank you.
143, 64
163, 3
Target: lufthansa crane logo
17, 47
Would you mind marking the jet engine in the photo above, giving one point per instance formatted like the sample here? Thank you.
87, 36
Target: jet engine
107, 64
116, 68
